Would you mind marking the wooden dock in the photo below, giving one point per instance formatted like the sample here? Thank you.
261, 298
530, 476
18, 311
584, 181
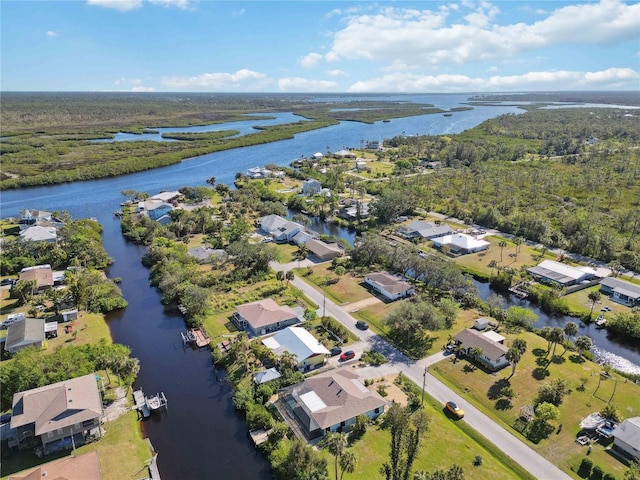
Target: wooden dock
198, 337
141, 404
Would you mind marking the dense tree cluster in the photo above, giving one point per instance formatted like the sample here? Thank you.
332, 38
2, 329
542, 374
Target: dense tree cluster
31, 368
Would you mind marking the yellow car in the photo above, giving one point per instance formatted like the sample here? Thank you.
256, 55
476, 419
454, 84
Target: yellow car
455, 409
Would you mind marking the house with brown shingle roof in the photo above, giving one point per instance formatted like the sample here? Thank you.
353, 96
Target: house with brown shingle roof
265, 316
324, 251
390, 286
72, 467
55, 413
41, 274
493, 352
330, 402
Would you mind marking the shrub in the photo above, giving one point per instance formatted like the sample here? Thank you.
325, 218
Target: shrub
360, 426
585, 467
597, 473
609, 476
258, 417
373, 357
382, 390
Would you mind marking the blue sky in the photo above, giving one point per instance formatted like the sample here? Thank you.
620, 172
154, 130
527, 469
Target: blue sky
319, 46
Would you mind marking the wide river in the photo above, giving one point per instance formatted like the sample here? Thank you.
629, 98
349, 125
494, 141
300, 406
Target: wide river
200, 436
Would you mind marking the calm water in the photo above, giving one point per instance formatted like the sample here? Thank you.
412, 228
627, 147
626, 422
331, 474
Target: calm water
201, 436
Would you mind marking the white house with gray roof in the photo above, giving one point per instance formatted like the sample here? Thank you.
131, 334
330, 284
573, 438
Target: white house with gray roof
26, 332
620, 291
626, 437
460, 243
390, 286
36, 233
330, 402
493, 352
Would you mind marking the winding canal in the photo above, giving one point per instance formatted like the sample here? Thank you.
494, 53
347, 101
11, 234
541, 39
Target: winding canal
201, 436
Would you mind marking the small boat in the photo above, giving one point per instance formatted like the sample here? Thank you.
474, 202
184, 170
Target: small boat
386, 121
448, 115
601, 321
153, 402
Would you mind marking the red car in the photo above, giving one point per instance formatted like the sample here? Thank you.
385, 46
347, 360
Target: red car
348, 355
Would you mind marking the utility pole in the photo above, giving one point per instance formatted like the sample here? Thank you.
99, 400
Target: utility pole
324, 304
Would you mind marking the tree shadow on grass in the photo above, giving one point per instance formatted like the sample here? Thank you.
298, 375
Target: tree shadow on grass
494, 390
539, 352
542, 361
540, 373
503, 404
558, 360
575, 358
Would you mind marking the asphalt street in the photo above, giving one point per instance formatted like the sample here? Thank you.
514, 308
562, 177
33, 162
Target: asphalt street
532, 461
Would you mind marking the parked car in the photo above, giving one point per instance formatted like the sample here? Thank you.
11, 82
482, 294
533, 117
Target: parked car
335, 351
362, 325
5, 418
455, 409
7, 281
348, 355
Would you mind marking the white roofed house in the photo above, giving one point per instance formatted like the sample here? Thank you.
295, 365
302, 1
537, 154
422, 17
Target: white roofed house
311, 186
390, 286
25, 332
32, 216
168, 197
270, 223
549, 271
258, 172
265, 316
287, 232
37, 233
344, 154
328, 402
460, 243
309, 352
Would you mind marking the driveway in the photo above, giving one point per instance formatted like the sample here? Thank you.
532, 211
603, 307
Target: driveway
355, 306
529, 459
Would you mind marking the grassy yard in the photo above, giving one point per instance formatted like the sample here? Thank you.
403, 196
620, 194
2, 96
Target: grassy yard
122, 452
348, 289
461, 446
478, 263
284, 252
579, 302
480, 388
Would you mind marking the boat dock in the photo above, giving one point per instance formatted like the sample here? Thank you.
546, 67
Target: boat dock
146, 405
197, 337
518, 292
141, 404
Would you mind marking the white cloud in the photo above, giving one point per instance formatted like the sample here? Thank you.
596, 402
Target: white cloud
182, 4
493, 69
311, 60
613, 78
242, 79
121, 5
336, 73
424, 37
297, 84
238, 13
143, 89
126, 5
127, 81
51, 33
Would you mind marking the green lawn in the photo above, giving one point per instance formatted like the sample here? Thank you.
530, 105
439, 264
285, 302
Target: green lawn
348, 289
579, 302
560, 448
447, 442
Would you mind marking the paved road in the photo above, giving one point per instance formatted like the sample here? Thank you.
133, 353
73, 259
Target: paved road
532, 461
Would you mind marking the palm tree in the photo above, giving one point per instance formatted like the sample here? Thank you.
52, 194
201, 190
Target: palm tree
570, 329
502, 244
594, 296
336, 443
280, 277
557, 336
289, 360
289, 276
492, 264
513, 356
348, 462
545, 332
520, 345
583, 343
